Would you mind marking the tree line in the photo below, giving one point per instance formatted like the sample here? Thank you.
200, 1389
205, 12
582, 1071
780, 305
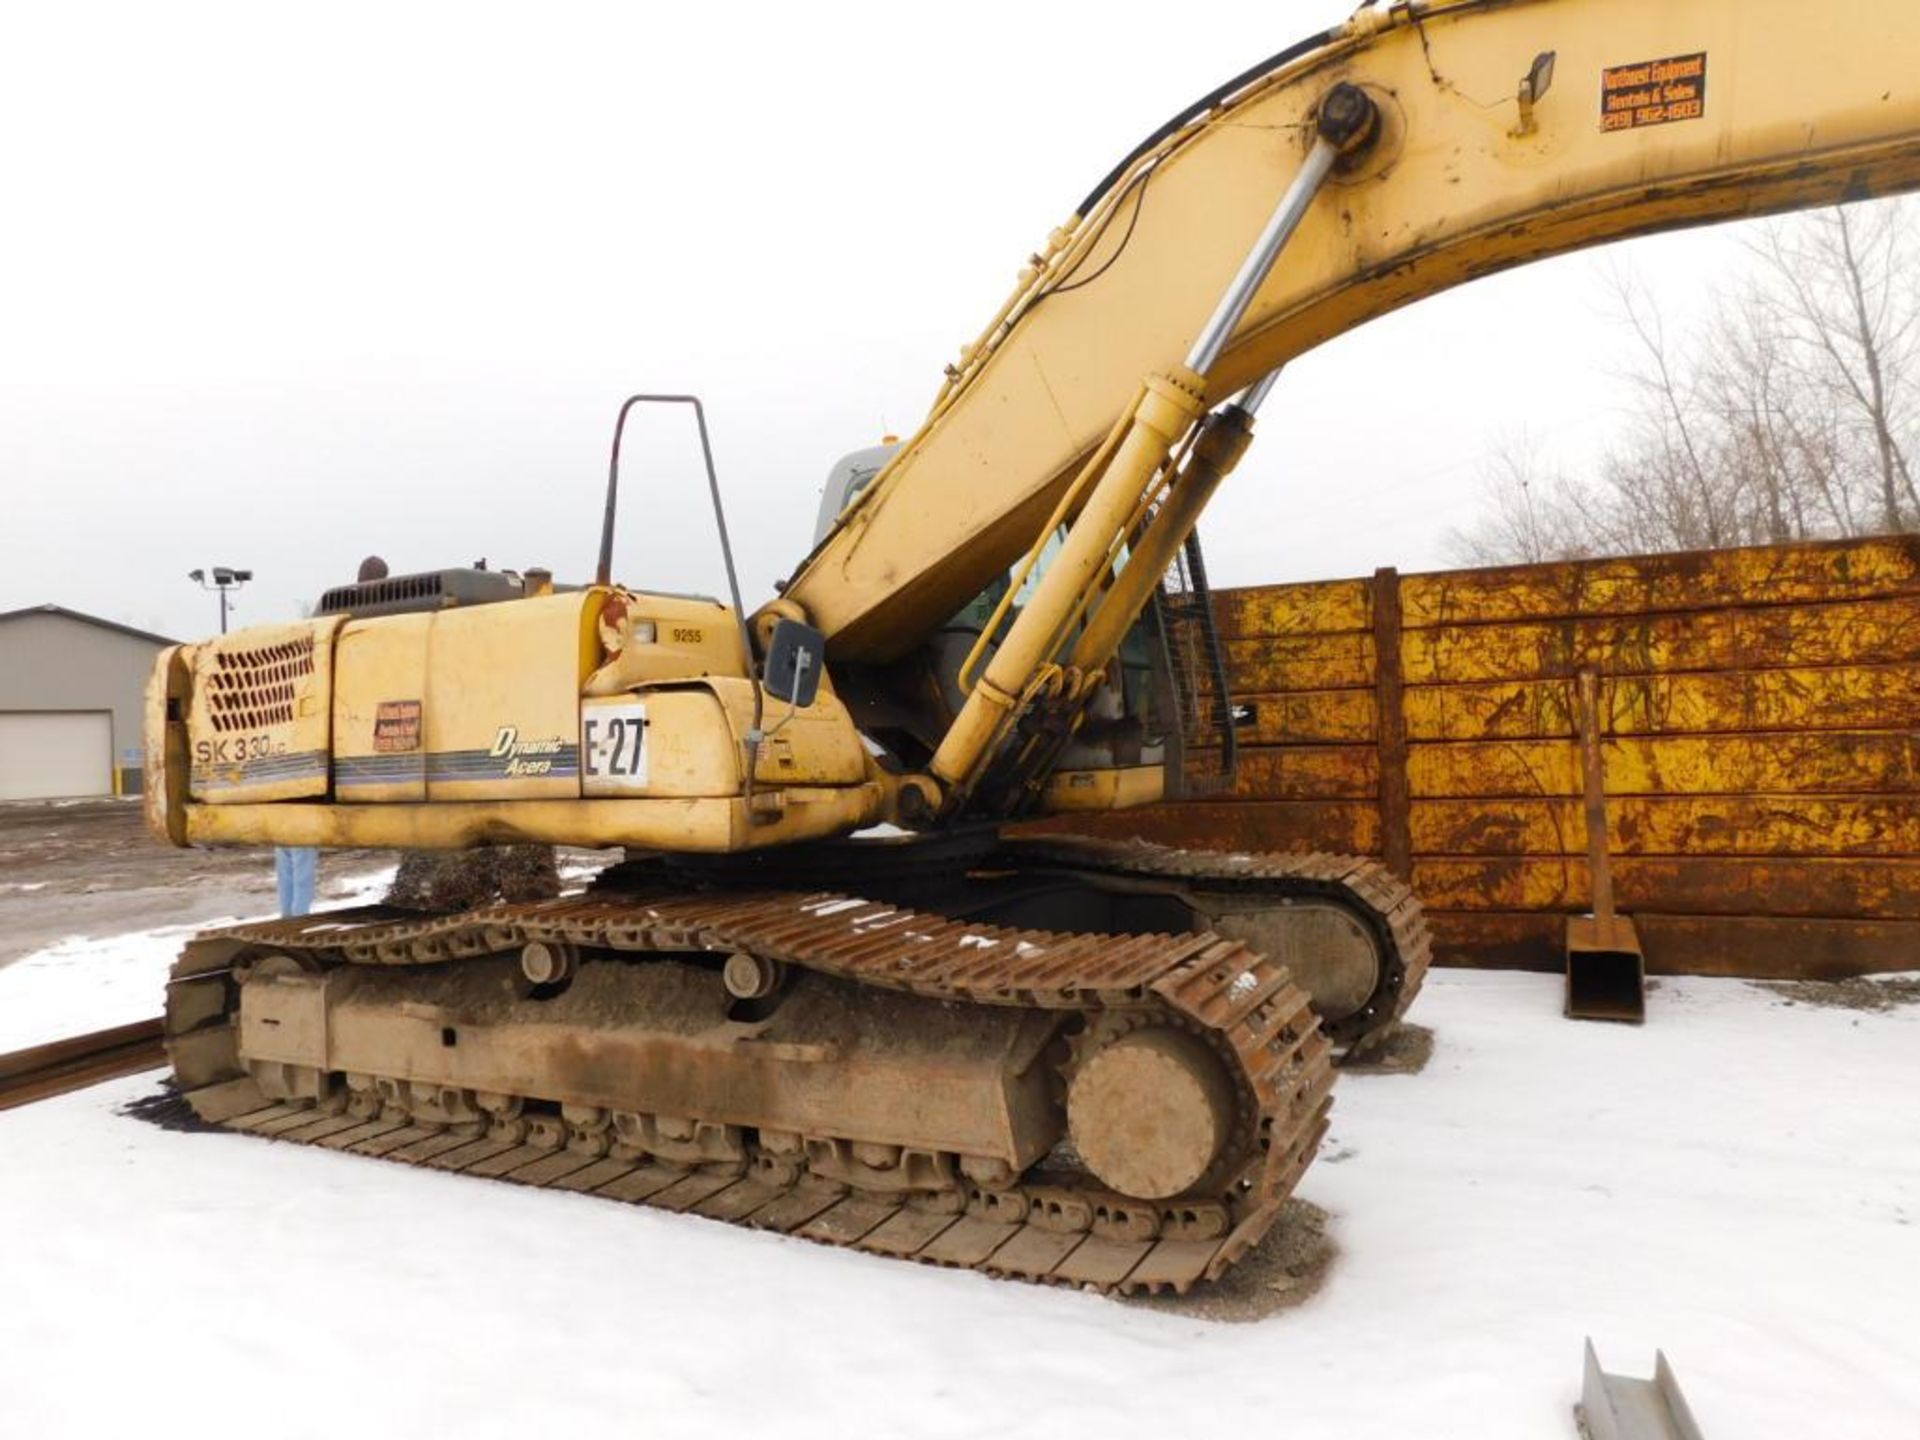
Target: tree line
1790, 414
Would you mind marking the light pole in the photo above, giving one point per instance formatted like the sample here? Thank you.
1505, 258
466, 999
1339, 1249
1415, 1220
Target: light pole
225, 578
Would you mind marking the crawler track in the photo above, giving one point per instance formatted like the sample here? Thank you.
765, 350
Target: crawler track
1054, 1223
1366, 888
43, 1071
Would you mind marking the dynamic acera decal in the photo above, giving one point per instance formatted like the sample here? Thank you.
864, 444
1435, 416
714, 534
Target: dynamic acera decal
529, 757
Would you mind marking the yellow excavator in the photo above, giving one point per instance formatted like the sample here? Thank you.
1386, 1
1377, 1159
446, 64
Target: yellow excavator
1059, 1059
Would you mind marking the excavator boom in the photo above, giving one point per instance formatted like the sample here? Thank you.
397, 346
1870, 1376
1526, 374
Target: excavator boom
1655, 114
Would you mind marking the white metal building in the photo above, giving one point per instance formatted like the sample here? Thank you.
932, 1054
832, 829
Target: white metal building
70, 703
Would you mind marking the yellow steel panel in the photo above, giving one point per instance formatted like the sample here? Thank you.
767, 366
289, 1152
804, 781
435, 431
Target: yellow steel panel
379, 697
1306, 717
1308, 772
1720, 825
1835, 760
1319, 607
1841, 888
1811, 825
1844, 697
1761, 946
1873, 568
1301, 662
1695, 580
1844, 633
502, 704
1849, 697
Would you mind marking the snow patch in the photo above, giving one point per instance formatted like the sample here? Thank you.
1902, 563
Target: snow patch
1721, 1183
84, 983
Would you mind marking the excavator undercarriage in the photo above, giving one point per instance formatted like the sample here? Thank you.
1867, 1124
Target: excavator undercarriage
1125, 1111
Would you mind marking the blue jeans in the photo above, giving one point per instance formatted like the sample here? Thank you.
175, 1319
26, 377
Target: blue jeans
293, 867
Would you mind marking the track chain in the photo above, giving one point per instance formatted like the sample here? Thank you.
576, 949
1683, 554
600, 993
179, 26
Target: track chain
1365, 886
1061, 1228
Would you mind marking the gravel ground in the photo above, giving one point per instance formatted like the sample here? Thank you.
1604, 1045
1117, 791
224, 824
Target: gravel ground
77, 869
89, 868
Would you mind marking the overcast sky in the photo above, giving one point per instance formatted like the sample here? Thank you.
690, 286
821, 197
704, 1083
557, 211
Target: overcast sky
279, 287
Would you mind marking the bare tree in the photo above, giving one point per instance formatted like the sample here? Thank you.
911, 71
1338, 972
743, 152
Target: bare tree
1792, 413
1670, 479
1840, 285
1530, 514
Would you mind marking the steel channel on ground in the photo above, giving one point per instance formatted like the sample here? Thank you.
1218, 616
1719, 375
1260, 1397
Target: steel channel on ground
42, 1071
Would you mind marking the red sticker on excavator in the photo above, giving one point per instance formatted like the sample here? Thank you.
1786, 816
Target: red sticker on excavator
396, 726
1653, 92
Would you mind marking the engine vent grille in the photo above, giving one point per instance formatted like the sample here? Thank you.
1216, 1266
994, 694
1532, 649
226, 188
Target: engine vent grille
427, 590
253, 689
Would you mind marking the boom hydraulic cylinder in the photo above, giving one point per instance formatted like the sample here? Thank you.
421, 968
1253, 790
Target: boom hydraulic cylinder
1165, 411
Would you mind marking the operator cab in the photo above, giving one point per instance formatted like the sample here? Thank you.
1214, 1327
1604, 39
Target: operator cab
1165, 708
851, 474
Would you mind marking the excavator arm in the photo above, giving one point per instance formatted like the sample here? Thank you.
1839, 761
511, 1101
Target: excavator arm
1492, 133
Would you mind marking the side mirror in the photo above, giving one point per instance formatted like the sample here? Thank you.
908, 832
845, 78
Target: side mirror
796, 656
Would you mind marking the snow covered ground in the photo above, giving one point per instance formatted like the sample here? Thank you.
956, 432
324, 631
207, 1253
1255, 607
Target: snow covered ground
1738, 1182
89, 982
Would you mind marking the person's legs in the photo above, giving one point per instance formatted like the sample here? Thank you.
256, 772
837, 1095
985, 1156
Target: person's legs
293, 873
306, 862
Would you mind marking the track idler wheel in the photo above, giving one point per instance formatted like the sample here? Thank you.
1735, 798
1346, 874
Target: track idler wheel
1151, 1112
549, 962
